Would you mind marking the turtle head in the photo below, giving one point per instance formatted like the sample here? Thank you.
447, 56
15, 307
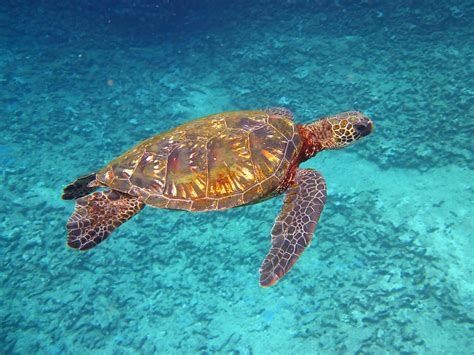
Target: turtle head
334, 132
345, 129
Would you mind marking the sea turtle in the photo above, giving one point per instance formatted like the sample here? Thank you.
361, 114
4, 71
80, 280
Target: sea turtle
217, 162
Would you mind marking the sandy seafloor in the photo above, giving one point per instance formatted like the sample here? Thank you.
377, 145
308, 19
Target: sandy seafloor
391, 266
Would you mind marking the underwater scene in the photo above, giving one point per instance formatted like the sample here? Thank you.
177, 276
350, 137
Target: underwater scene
390, 268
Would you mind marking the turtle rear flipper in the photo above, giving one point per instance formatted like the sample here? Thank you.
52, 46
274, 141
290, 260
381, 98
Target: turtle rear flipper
80, 187
294, 226
97, 215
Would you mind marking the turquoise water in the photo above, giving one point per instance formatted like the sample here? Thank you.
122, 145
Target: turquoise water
391, 265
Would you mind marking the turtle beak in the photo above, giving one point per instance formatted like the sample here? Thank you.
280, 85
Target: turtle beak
364, 128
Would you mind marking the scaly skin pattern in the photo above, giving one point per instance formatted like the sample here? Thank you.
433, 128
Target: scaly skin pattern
212, 163
334, 132
325, 133
97, 215
294, 226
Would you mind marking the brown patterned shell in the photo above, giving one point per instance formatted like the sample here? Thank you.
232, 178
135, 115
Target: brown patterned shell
215, 162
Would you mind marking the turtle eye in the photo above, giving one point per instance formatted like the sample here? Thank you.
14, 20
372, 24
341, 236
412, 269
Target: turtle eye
363, 129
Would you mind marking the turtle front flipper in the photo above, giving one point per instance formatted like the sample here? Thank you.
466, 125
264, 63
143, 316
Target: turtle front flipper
97, 215
294, 227
80, 187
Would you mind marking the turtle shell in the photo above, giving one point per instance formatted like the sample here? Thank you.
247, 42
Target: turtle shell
215, 162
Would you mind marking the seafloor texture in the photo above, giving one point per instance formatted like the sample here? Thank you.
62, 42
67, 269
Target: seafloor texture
391, 266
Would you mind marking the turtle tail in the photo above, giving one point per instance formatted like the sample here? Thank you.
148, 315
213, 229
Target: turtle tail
81, 187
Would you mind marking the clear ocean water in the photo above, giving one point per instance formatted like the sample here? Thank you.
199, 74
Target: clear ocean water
391, 265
